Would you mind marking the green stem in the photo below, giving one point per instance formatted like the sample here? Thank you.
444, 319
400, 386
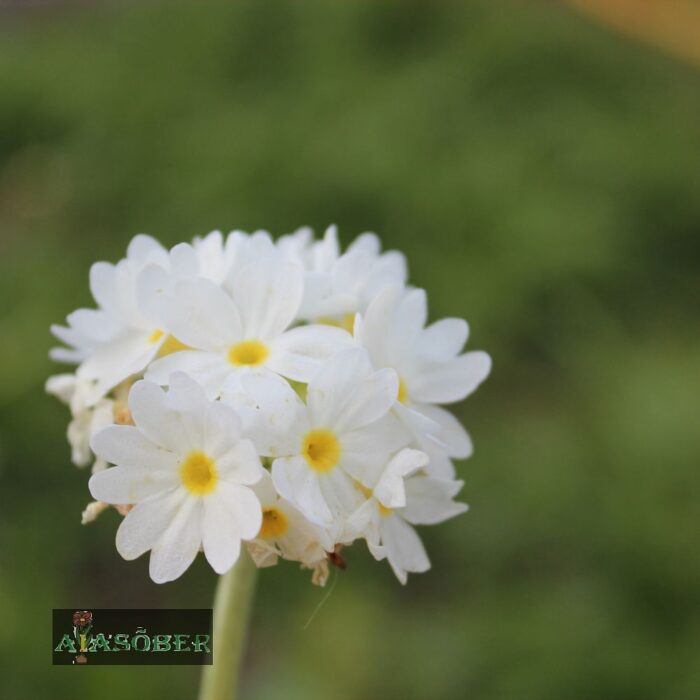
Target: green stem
233, 604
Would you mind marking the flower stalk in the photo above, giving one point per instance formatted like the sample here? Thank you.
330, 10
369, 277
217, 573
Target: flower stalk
233, 605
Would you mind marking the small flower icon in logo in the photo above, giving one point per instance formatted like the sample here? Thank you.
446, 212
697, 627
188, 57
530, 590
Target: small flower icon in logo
82, 618
82, 624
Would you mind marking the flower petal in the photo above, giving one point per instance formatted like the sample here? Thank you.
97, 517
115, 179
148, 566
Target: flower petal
221, 540
240, 464
430, 501
404, 548
443, 340
267, 293
200, 314
222, 429
209, 369
177, 547
390, 491
244, 507
452, 436
335, 381
124, 486
298, 353
126, 446
453, 381
273, 415
146, 522
298, 483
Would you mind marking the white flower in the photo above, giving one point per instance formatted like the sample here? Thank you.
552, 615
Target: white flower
246, 330
385, 520
126, 332
430, 367
337, 286
285, 531
86, 419
342, 435
188, 471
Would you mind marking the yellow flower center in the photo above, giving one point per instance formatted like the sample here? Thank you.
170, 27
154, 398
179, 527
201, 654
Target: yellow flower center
170, 345
274, 524
248, 352
403, 391
198, 474
347, 322
383, 510
321, 449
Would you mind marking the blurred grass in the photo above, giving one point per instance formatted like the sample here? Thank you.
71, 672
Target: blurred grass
542, 176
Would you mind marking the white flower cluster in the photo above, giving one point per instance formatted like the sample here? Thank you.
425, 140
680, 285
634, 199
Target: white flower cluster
280, 394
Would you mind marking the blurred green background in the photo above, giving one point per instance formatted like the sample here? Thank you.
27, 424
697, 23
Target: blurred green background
542, 175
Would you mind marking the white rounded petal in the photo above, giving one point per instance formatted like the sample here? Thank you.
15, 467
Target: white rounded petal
117, 360
209, 369
273, 415
415, 420
144, 249
340, 494
123, 485
240, 463
451, 434
183, 261
385, 435
200, 314
103, 285
94, 324
335, 381
268, 294
444, 339
127, 446
298, 483
153, 284
298, 353
364, 522
146, 522
370, 400
265, 490
453, 381
188, 401
152, 416
372, 333
222, 429
326, 251
440, 464
221, 540
430, 501
368, 242
177, 547
404, 548
390, 491
407, 322
244, 508
389, 269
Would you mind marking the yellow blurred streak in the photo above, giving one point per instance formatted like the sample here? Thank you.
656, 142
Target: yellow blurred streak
673, 25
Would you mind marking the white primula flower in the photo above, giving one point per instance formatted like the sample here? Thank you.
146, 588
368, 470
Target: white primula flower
246, 330
122, 336
430, 367
337, 286
189, 473
403, 498
285, 531
86, 419
342, 435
